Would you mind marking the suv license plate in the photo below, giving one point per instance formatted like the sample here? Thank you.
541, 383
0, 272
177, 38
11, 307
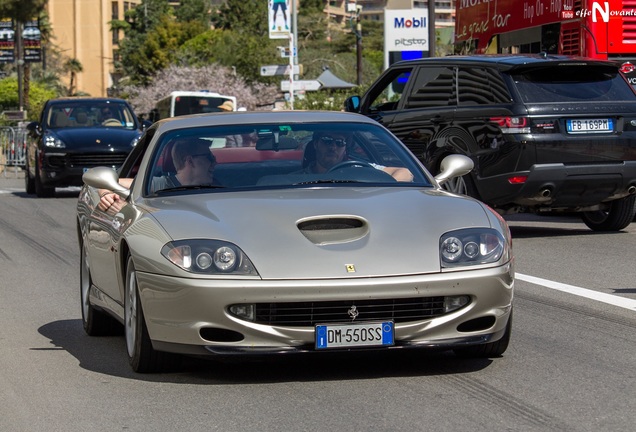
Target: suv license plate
363, 334
590, 125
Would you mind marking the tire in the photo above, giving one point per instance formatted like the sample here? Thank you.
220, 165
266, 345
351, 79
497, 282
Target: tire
618, 216
29, 183
95, 322
488, 350
143, 358
462, 186
40, 190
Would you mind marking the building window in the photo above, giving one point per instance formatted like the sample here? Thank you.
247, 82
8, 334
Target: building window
115, 37
114, 6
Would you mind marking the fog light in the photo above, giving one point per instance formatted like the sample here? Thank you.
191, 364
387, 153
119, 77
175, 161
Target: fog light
452, 303
244, 311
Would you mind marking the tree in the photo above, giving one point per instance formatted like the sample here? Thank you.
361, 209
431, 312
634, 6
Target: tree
243, 52
21, 11
243, 16
194, 11
39, 95
72, 67
216, 78
135, 50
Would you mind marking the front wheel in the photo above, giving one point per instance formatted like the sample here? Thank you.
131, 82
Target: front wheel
143, 358
41, 190
29, 183
95, 322
616, 217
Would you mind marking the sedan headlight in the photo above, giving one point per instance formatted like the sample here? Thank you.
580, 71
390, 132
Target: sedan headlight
53, 141
209, 257
473, 246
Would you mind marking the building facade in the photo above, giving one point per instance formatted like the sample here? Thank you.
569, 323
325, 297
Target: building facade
81, 31
340, 11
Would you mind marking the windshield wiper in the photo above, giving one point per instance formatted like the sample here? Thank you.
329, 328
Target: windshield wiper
327, 182
189, 187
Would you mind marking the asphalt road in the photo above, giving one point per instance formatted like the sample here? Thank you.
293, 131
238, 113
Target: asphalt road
570, 366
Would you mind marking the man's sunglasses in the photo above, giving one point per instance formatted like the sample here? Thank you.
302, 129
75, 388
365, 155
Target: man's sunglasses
209, 156
336, 141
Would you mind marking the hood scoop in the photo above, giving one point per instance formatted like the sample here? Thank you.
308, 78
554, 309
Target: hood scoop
326, 230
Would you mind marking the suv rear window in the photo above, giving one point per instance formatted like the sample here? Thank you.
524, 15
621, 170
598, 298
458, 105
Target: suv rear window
572, 84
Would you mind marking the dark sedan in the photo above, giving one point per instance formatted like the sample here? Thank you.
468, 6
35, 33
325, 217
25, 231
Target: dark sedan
74, 135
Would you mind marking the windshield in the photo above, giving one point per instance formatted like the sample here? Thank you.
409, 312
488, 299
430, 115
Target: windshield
185, 105
573, 84
90, 114
280, 155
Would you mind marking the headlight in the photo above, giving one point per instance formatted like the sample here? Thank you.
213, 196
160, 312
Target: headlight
135, 140
209, 257
53, 141
473, 246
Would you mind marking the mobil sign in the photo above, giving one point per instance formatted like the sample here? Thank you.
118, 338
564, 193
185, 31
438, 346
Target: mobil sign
405, 30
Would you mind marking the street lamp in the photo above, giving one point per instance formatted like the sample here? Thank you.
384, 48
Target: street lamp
357, 30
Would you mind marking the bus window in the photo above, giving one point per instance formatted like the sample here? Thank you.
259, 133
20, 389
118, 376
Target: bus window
180, 103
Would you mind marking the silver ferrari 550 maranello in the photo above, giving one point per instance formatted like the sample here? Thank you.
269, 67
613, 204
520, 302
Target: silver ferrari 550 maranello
279, 232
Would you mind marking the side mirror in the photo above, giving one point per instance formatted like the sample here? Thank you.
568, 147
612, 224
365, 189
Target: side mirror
352, 104
34, 128
454, 166
105, 178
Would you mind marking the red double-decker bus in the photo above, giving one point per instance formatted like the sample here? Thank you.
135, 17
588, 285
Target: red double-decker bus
603, 29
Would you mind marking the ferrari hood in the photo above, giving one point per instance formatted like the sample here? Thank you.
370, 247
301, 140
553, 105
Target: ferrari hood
325, 232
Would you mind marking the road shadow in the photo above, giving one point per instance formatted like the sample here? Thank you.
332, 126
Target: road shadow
107, 355
532, 225
59, 193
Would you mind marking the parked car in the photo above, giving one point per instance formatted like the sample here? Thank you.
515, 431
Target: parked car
75, 134
279, 254
546, 133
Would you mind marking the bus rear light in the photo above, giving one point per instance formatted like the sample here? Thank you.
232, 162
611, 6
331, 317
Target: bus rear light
512, 124
517, 179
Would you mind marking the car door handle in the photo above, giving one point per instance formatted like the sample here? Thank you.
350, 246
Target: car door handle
436, 120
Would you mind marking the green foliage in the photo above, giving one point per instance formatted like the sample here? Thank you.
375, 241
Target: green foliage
310, 6
194, 11
243, 52
156, 49
243, 16
146, 28
38, 95
22, 10
328, 101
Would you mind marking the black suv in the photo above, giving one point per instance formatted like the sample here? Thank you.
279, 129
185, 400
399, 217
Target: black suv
75, 134
546, 133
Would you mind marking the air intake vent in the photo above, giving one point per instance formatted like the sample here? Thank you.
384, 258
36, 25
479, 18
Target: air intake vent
333, 229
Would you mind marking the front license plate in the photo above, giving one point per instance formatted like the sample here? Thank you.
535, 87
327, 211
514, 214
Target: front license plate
589, 125
363, 334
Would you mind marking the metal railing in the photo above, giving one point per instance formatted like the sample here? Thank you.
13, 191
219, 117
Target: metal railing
13, 142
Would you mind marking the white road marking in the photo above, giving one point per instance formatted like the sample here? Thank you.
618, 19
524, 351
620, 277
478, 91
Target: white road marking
582, 292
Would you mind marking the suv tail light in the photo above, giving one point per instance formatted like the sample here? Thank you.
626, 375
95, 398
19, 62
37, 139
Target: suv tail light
512, 124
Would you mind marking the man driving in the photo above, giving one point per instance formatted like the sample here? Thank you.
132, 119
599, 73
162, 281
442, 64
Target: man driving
194, 164
331, 149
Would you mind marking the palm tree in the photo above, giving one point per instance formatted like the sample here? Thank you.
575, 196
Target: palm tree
72, 67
